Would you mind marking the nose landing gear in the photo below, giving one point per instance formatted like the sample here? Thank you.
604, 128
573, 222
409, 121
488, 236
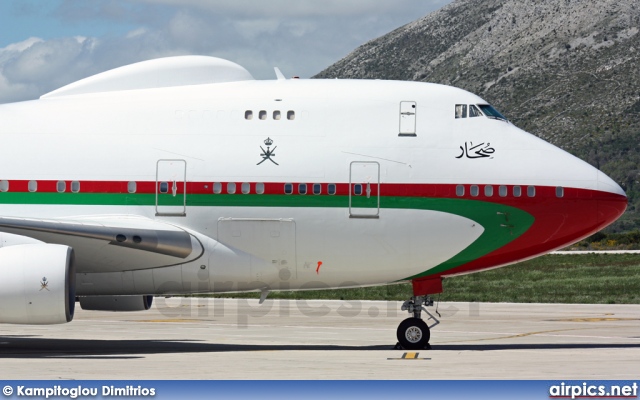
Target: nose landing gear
413, 333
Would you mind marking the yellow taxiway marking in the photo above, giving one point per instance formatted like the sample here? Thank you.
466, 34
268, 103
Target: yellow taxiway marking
409, 356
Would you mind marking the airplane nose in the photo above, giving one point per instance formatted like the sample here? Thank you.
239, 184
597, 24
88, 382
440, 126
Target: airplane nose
561, 218
612, 200
606, 184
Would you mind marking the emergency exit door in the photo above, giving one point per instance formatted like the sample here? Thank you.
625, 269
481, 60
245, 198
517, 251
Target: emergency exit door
171, 185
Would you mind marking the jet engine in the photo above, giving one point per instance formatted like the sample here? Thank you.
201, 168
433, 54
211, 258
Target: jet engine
116, 303
37, 284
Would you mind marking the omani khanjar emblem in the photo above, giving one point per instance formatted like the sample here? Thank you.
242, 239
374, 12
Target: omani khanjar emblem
268, 153
44, 285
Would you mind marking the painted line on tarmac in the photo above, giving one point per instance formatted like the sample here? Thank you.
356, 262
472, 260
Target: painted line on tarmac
409, 356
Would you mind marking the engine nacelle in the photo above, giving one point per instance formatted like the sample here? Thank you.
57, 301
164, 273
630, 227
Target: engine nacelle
37, 284
116, 303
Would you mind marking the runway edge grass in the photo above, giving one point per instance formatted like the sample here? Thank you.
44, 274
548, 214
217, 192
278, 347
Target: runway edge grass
578, 279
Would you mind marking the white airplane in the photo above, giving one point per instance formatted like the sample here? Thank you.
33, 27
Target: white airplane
185, 175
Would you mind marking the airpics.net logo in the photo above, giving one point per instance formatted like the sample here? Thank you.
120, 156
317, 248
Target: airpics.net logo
587, 391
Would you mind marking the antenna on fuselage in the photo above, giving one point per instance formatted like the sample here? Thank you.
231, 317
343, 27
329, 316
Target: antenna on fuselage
279, 74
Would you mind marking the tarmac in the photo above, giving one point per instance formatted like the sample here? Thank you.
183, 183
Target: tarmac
197, 338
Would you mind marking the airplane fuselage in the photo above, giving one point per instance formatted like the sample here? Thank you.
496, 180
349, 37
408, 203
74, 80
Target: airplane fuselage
289, 184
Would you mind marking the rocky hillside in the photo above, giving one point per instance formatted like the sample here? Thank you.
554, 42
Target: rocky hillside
565, 70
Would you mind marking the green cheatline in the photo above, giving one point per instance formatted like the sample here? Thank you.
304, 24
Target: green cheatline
491, 216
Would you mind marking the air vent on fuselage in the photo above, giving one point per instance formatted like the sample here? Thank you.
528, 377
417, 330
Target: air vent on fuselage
158, 73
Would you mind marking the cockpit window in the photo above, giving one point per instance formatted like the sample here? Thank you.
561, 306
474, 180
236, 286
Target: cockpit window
491, 112
474, 112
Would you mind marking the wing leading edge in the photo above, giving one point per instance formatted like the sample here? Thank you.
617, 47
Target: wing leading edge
115, 243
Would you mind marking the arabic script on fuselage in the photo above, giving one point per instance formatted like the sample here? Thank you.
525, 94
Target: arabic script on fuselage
481, 150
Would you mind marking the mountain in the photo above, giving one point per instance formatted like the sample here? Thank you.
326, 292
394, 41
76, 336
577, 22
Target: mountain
567, 71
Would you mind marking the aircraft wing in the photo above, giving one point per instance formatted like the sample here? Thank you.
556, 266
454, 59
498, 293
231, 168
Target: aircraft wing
112, 243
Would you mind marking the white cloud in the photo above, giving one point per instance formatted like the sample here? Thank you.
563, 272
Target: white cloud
47, 60
20, 46
11, 91
301, 37
252, 28
188, 29
135, 33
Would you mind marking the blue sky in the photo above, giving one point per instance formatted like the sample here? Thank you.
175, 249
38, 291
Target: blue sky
45, 19
45, 44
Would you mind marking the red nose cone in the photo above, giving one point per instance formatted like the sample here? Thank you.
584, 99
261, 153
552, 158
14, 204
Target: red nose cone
610, 207
558, 222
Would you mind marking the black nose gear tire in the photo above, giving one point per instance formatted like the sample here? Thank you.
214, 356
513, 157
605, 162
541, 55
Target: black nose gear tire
413, 334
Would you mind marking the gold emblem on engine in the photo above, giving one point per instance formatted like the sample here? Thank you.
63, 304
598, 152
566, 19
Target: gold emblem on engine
44, 285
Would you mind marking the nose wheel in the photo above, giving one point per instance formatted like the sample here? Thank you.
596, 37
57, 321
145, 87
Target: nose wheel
413, 333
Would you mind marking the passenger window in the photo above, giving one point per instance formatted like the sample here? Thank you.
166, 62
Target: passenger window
461, 111
262, 115
231, 188
248, 114
132, 187
276, 115
502, 191
259, 188
288, 188
217, 187
531, 191
331, 189
488, 190
559, 191
164, 187
357, 189
460, 190
317, 188
75, 186
246, 187
4, 186
474, 112
474, 190
291, 115
517, 191
302, 188
33, 186
61, 186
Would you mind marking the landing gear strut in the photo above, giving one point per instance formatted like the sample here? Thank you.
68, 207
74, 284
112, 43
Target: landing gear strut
413, 333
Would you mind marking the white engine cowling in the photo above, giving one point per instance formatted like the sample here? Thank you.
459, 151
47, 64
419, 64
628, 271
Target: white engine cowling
116, 303
37, 284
